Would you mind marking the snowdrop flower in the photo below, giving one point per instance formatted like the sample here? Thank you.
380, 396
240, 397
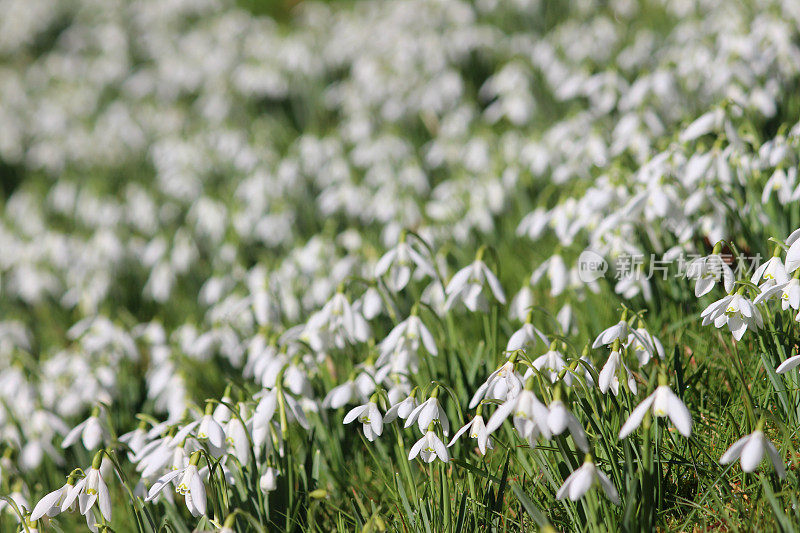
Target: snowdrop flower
137, 439
340, 395
560, 419
521, 304
402, 409
370, 304
50, 504
91, 432
566, 321
90, 490
644, 345
735, 310
771, 272
190, 486
237, 436
584, 478
503, 383
477, 430
703, 125
269, 480
556, 271
788, 292
793, 253
335, 325
467, 285
529, 416
370, 418
551, 364
525, 338
405, 340
664, 403
427, 412
608, 379
789, 364
210, 430
398, 262
708, 270
750, 451
783, 182
268, 404
429, 447
620, 331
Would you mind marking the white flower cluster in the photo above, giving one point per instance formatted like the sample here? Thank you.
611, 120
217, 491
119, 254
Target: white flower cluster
188, 187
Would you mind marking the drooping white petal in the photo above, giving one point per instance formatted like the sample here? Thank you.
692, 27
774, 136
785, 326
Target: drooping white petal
636, 416
680, 415
734, 452
752, 452
776, 460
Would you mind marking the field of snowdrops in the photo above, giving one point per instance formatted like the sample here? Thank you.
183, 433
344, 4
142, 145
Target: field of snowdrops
415, 266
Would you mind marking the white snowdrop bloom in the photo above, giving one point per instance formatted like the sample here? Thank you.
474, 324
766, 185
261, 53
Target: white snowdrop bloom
790, 363
401, 409
91, 432
434, 296
633, 283
707, 271
560, 419
706, 123
620, 331
208, 429
534, 223
404, 342
137, 439
427, 412
735, 310
771, 272
783, 183
525, 338
190, 486
477, 430
336, 325
528, 414
88, 491
370, 418
788, 292
556, 272
793, 253
429, 447
340, 395
50, 504
644, 345
521, 304
370, 304
367, 378
467, 286
268, 480
401, 262
583, 479
237, 436
566, 320
663, 403
750, 451
608, 379
551, 364
503, 383
222, 412
156, 455
268, 403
